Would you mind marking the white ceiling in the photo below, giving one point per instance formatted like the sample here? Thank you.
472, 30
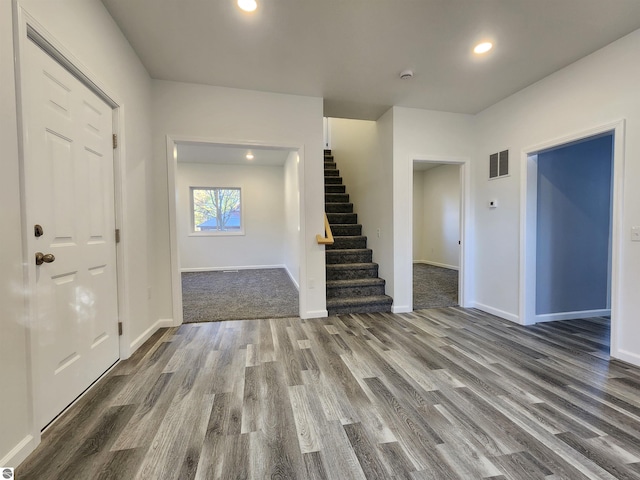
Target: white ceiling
350, 52
195, 152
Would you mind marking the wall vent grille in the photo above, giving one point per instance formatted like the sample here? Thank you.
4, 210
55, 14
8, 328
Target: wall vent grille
499, 164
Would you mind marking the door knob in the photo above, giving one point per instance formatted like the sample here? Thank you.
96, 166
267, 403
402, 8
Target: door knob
44, 258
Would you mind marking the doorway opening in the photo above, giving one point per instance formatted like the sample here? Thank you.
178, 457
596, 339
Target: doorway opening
234, 230
571, 230
437, 232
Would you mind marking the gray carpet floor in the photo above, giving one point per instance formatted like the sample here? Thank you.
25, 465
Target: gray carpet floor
434, 287
238, 295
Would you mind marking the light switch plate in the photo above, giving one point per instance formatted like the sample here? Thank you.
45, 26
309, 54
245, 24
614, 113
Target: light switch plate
635, 234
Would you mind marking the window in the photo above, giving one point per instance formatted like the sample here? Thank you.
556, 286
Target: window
216, 211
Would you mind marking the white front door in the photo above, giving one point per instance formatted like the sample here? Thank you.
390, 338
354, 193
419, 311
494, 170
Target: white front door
69, 193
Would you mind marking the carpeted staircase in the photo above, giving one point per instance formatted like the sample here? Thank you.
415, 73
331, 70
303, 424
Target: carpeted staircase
353, 285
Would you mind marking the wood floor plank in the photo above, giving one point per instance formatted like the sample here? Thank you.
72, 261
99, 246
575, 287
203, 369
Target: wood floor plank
236, 463
121, 464
314, 466
338, 458
396, 460
284, 458
94, 451
167, 451
66, 435
150, 412
308, 435
365, 451
251, 401
446, 393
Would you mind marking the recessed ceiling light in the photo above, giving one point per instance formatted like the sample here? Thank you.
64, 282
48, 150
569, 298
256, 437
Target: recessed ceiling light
249, 156
247, 5
483, 47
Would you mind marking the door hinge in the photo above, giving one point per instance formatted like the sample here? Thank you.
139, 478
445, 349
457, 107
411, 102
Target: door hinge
119, 328
117, 235
115, 140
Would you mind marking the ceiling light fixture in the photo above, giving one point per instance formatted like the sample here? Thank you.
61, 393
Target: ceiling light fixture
406, 74
483, 47
247, 5
249, 156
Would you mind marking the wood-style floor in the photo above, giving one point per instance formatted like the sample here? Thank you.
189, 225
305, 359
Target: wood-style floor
436, 394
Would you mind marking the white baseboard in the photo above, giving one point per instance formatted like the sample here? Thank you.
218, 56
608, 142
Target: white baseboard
230, 267
18, 453
401, 309
627, 357
436, 264
292, 279
553, 317
161, 323
315, 314
497, 312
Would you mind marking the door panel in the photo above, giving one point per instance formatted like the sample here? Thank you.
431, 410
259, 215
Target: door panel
69, 190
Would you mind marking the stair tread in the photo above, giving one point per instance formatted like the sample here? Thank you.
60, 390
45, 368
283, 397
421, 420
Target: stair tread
354, 266
373, 299
351, 237
355, 282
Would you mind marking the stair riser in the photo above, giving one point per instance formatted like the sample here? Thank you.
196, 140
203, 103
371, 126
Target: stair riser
343, 218
349, 230
353, 274
344, 292
341, 243
364, 308
330, 165
338, 207
331, 172
336, 197
334, 188
334, 257
333, 181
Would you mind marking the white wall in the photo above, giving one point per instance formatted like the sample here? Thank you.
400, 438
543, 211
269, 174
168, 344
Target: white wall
425, 135
382, 189
439, 216
597, 90
227, 115
292, 218
355, 145
262, 190
108, 58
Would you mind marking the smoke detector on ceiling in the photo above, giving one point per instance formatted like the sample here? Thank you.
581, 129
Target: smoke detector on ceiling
406, 74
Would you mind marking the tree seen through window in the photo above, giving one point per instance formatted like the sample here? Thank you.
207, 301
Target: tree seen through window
216, 209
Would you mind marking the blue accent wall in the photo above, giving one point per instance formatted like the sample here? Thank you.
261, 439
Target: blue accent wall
574, 224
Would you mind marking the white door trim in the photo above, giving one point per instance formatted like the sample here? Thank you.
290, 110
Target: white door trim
172, 165
528, 218
465, 275
29, 29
